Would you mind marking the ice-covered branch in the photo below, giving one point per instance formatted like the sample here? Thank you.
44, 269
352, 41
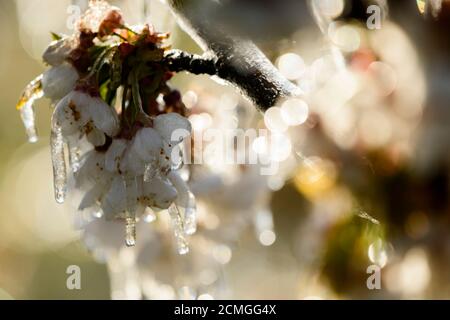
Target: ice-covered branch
236, 60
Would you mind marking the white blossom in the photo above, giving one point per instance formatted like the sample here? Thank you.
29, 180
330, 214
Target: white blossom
80, 113
59, 81
58, 51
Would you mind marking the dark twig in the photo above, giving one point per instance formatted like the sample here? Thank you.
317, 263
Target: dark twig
178, 60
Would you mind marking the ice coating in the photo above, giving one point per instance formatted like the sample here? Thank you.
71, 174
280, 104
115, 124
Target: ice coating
26, 107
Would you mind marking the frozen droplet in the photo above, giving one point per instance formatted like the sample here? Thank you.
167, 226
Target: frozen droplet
25, 106
130, 232
179, 232
190, 215
59, 164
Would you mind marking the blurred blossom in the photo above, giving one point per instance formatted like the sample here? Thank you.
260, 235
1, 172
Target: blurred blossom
329, 8
291, 66
345, 37
315, 176
190, 99
275, 121
294, 112
378, 253
411, 276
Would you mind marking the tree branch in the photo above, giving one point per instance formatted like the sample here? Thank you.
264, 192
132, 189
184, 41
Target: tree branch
236, 60
178, 61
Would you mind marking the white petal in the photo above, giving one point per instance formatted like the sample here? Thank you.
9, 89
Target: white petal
115, 202
70, 113
104, 116
96, 137
114, 154
59, 81
92, 169
172, 127
92, 196
131, 163
147, 144
104, 236
158, 193
58, 51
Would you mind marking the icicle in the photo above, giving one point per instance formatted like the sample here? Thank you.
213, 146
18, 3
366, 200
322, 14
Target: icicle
25, 106
132, 194
74, 155
190, 215
177, 222
186, 201
130, 229
59, 164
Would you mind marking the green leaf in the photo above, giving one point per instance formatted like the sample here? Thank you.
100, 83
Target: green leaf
55, 36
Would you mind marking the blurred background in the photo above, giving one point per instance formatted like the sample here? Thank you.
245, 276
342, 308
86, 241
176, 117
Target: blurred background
366, 182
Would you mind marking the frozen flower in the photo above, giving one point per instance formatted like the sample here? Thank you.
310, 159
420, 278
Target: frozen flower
122, 166
58, 51
59, 81
80, 113
153, 147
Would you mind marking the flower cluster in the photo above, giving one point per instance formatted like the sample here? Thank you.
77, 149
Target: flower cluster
120, 122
